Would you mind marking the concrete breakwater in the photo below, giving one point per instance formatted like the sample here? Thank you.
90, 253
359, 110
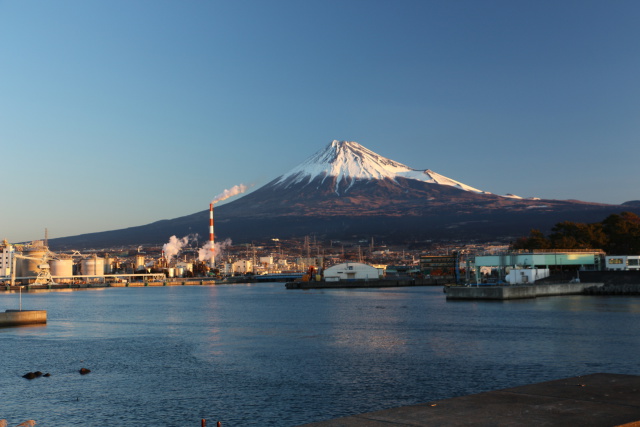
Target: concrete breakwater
514, 292
23, 317
369, 283
609, 289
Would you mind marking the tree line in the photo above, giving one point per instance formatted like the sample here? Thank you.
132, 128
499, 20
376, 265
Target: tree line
617, 234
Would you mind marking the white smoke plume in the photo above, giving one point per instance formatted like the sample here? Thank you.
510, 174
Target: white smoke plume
236, 189
175, 245
205, 253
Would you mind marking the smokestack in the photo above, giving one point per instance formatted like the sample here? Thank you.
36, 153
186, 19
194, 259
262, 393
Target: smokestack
211, 242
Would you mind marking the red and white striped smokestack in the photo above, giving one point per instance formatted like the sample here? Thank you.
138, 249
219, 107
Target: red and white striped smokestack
212, 263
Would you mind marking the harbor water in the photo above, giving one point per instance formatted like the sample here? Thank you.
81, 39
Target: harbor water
256, 355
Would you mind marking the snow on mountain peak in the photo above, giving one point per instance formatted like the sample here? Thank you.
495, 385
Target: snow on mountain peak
344, 159
350, 161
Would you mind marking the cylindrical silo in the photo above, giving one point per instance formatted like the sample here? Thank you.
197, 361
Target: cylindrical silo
108, 265
139, 261
61, 267
93, 266
29, 267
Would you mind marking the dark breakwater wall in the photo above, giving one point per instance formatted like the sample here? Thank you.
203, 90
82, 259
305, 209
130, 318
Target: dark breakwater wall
611, 289
611, 277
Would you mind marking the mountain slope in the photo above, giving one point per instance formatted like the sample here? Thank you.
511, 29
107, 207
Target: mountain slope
346, 191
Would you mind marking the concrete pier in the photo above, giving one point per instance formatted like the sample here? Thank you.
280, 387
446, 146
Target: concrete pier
23, 317
514, 292
597, 400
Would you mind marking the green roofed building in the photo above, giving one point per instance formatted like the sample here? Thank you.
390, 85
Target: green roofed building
551, 259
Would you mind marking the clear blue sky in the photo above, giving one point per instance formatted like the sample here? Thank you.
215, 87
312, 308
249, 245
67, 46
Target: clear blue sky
123, 112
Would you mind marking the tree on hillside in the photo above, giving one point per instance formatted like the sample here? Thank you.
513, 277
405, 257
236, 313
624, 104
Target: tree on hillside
536, 240
576, 235
623, 232
616, 234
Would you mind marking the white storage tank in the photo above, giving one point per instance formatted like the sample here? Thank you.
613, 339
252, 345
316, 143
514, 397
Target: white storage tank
108, 265
61, 267
183, 267
93, 266
29, 267
139, 261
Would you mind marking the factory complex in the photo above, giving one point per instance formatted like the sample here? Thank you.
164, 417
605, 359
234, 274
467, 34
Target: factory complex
298, 259
35, 263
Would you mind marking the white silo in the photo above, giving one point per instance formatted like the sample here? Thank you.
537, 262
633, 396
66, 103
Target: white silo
139, 261
108, 265
61, 267
28, 267
93, 266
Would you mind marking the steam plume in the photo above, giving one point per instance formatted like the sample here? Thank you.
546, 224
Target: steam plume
236, 189
205, 253
174, 246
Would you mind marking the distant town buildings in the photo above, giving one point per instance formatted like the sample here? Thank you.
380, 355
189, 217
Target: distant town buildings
333, 260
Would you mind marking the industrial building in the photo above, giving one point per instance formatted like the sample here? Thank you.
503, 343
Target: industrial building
351, 271
541, 262
34, 264
6, 258
440, 266
622, 262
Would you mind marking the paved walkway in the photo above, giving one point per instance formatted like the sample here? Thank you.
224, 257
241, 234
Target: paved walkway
591, 400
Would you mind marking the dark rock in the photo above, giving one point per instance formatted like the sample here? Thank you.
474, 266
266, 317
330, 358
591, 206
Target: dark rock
84, 371
47, 374
29, 375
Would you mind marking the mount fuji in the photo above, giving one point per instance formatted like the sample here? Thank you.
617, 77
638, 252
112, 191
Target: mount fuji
347, 191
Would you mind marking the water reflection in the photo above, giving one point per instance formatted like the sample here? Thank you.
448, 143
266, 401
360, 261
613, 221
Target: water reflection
256, 355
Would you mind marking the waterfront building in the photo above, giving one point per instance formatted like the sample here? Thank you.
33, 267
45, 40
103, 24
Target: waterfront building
539, 259
6, 258
241, 266
443, 266
622, 262
400, 270
351, 271
526, 276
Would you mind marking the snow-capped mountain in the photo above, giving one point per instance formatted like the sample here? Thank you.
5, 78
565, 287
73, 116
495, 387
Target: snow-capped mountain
346, 191
346, 162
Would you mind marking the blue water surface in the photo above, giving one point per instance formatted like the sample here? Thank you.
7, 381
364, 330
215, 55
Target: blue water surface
256, 355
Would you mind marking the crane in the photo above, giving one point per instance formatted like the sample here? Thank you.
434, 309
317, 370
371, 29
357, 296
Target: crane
44, 274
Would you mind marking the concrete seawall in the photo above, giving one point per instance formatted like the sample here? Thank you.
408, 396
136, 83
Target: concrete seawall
80, 286
23, 317
372, 283
514, 292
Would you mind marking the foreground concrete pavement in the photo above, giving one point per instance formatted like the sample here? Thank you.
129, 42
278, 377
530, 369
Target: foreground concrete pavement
591, 400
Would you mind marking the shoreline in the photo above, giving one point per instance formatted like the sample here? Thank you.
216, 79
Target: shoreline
102, 285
